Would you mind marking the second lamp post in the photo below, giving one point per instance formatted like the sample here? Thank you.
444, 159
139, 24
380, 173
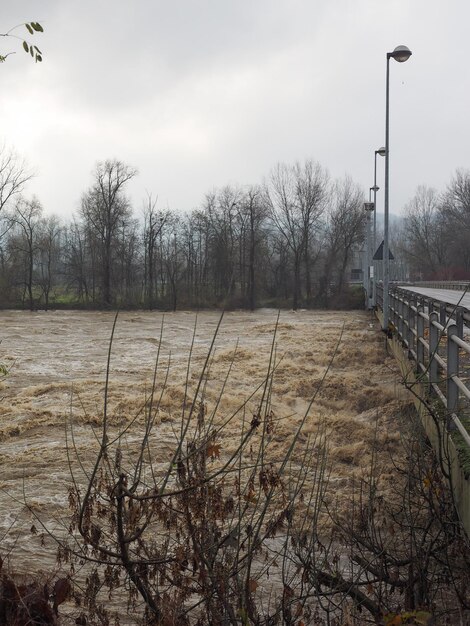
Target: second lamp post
375, 189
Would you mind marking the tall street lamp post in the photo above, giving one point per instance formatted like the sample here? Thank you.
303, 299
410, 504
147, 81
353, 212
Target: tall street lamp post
375, 189
400, 54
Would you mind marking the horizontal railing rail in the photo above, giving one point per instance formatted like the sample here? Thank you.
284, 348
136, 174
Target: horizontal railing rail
443, 284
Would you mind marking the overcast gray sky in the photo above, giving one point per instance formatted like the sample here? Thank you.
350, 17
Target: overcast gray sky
201, 93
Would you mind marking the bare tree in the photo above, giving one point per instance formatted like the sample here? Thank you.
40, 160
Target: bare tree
129, 251
196, 235
104, 209
343, 232
312, 182
425, 244
253, 210
154, 221
220, 208
172, 258
48, 255
14, 174
456, 213
296, 196
25, 219
75, 261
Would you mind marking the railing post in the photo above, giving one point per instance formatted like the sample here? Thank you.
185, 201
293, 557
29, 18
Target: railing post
392, 306
459, 320
409, 334
406, 320
414, 304
396, 306
420, 335
433, 348
400, 318
428, 302
452, 370
442, 313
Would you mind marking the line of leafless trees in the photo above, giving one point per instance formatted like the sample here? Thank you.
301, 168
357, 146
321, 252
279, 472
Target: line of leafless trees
289, 241
436, 231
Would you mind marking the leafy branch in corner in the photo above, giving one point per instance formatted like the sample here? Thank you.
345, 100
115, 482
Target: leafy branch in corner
29, 48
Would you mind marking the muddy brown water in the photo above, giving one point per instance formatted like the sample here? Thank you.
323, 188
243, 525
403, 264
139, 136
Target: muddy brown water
57, 369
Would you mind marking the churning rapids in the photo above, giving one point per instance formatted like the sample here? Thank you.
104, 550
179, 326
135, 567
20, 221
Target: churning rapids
57, 366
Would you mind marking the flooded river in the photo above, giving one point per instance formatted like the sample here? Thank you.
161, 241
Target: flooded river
56, 372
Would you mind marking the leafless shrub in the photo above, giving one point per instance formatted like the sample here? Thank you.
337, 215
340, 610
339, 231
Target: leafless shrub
205, 536
400, 554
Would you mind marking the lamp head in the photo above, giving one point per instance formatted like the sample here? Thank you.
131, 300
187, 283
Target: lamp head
401, 54
382, 151
374, 188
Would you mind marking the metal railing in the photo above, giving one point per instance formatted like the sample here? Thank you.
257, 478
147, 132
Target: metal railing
434, 333
443, 284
